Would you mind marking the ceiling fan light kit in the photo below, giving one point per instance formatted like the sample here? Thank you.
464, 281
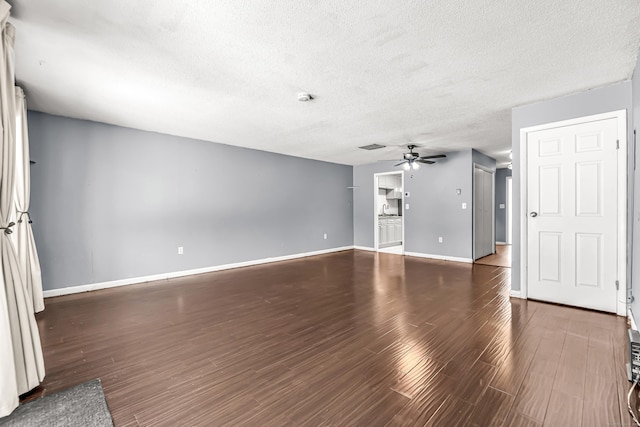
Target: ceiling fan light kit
304, 97
413, 160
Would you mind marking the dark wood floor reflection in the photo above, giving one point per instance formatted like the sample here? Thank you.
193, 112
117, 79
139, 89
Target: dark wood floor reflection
351, 338
502, 257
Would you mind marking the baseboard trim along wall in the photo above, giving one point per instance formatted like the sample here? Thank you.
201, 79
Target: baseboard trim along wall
516, 294
163, 276
501, 243
440, 257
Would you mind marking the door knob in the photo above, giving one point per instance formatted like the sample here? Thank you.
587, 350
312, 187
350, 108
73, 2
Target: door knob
534, 214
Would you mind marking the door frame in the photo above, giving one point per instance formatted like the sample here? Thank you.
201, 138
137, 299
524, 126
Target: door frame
621, 117
375, 208
492, 171
508, 232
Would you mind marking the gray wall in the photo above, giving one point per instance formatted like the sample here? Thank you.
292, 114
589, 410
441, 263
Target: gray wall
595, 101
635, 274
112, 203
435, 208
501, 198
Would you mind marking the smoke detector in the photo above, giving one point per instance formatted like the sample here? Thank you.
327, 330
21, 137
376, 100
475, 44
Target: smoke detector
304, 97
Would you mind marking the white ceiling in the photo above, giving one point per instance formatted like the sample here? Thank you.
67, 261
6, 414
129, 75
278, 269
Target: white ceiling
443, 75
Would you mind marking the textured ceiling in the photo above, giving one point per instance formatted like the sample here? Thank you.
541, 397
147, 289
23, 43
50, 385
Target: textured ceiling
442, 75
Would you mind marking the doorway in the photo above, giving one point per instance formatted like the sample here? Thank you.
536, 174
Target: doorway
389, 212
484, 238
573, 199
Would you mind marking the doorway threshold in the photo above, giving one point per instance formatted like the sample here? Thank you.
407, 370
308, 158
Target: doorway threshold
398, 250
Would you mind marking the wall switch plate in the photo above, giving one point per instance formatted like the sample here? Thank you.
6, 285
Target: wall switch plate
464, 206
440, 240
501, 205
406, 206
180, 250
325, 236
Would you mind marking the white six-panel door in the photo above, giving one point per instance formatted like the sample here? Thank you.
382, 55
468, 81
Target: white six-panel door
483, 219
572, 227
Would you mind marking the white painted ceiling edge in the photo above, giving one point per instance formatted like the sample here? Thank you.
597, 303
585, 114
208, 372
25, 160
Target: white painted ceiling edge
441, 75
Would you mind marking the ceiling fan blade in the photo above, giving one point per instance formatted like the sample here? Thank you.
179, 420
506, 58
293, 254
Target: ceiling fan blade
437, 156
401, 163
429, 162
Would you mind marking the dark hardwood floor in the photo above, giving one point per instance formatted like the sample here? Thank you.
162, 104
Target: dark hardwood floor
502, 257
351, 338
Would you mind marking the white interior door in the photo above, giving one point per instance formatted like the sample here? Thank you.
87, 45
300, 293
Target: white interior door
572, 203
483, 201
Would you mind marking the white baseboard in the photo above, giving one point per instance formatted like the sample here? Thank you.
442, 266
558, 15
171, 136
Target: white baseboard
164, 276
501, 243
516, 294
440, 257
364, 248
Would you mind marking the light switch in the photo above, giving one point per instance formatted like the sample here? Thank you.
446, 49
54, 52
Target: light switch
501, 205
406, 206
464, 206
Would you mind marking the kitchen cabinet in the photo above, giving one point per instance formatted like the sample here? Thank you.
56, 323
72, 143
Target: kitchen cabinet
397, 230
395, 187
383, 231
389, 230
384, 181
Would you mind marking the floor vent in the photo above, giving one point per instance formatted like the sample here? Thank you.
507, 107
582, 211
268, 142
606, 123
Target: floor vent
372, 146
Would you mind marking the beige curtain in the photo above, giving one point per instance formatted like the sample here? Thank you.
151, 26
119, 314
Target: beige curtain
23, 236
8, 385
18, 313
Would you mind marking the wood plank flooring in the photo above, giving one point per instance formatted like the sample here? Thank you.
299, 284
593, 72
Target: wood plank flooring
502, 257
350, 338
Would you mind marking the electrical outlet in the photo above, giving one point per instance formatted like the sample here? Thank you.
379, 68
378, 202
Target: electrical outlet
325, 236
180, 250
406, 206
440, 240
464, 206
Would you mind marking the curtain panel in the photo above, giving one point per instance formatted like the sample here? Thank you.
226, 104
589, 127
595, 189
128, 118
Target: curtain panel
23, 235
19, 338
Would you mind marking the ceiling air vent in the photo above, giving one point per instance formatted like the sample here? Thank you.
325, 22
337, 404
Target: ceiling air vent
372, 147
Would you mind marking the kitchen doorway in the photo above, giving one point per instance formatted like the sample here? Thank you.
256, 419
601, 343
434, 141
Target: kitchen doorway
389, 212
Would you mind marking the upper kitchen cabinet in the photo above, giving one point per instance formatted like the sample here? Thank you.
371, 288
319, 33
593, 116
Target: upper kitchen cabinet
385, 181
395, 187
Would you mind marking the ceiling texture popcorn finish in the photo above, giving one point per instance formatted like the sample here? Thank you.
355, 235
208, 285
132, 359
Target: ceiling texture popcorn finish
441, 75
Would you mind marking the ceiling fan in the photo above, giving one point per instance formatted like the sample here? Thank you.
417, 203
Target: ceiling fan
412, 160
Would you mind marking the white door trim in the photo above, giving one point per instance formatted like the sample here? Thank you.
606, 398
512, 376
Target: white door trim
493, 208
621, 116
375, 208
508, 232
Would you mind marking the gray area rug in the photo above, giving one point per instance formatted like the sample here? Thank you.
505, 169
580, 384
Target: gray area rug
83, 405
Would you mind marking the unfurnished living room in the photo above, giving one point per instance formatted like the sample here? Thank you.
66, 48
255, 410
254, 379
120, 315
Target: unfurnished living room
338, 213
